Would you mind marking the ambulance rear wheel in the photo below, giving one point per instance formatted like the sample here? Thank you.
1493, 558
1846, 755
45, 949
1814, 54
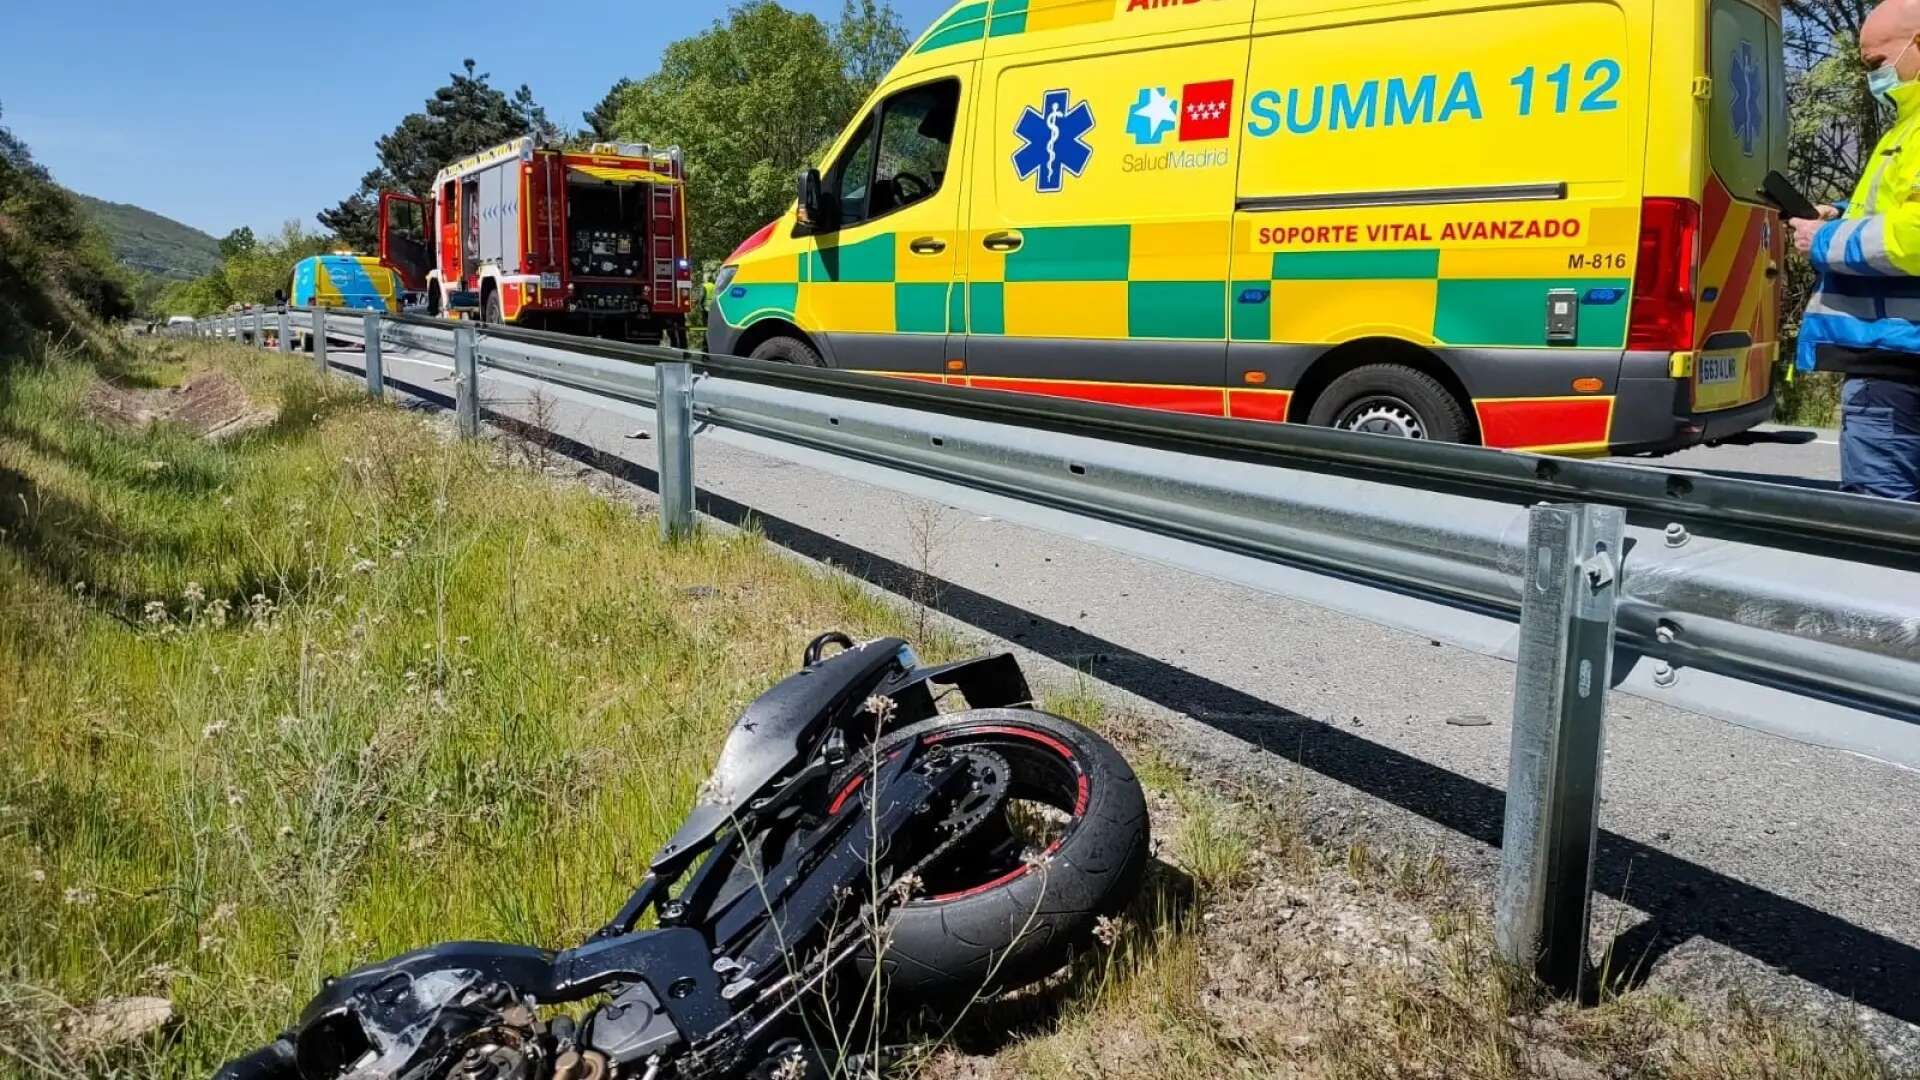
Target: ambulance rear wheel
1391, 399
787, 350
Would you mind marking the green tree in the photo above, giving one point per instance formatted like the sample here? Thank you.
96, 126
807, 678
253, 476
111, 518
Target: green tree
870, 40
463, 117
252, 273
1834, 125
755, 98
56, 267
237, 241
600, 119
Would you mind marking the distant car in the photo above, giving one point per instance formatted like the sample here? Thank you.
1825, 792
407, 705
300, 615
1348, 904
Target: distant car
180, 320
346, 281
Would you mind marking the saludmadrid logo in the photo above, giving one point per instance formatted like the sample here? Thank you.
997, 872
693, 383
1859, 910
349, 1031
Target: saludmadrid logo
1174, 160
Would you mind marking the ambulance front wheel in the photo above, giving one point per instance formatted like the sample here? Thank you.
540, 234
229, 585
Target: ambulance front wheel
1391, 399
787, 350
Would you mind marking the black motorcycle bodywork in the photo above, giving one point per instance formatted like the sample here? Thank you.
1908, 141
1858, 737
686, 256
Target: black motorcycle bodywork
698, 992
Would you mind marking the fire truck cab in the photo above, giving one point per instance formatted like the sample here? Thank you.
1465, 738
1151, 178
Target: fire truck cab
588, 243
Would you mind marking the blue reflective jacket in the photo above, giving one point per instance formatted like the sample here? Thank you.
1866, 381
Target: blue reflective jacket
1868, 295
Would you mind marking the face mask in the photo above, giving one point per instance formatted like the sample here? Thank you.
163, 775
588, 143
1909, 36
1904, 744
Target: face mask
1885, 79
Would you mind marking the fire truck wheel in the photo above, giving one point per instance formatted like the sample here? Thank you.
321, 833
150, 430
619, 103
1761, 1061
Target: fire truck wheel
491, 313
433, 301
786, 350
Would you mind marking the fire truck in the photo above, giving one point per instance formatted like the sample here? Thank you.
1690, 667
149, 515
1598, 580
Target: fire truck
591, 242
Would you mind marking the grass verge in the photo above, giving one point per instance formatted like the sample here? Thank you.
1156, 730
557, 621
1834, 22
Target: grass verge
330, 691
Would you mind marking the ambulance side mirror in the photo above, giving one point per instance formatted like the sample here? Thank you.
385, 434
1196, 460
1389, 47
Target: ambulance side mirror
816, 209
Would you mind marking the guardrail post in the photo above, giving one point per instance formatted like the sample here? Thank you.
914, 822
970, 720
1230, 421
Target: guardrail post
259, 329
466, 383
286, 331
673, 411
376, 377
1569, 593
318, 335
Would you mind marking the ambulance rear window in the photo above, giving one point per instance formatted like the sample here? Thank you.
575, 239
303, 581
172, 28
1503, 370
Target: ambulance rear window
1747, 127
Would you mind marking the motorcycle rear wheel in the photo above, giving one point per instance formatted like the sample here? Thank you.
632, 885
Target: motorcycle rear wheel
996, 920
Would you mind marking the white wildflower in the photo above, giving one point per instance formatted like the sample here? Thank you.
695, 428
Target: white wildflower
364, 566
156, 612
213, 729
194, 594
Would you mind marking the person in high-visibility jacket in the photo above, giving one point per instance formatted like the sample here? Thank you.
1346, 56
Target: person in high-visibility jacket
1864, 319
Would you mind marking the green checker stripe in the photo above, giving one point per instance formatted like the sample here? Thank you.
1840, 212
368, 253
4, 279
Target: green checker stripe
1352, 265
1072, 253
987, 303
869, 261
1252, 319
1009, 17
1185, 310
968, 22
744, 305
920, 308
1514, 312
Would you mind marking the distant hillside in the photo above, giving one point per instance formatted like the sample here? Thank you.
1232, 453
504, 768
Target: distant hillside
153, 244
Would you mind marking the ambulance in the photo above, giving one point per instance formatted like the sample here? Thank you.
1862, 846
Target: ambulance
1535, 226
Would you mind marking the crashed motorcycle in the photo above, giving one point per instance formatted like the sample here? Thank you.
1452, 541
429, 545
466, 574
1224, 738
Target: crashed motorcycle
861, 828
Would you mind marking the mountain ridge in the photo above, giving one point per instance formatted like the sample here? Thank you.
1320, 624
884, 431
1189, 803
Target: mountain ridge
153, 243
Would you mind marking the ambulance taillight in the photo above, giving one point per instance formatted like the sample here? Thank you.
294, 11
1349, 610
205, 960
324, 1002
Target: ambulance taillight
1664, 285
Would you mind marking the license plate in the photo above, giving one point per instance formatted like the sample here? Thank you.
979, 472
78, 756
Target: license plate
549, 281
1719, 369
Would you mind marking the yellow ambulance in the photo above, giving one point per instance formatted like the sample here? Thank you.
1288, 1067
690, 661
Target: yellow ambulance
1527, 225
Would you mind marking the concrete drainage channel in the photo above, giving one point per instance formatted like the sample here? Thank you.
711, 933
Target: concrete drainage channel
1585, 596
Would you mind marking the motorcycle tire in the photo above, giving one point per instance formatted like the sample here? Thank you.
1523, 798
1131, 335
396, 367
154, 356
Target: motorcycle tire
1019, 923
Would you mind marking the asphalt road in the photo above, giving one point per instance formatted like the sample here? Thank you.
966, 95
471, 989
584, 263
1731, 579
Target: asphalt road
1781, 455
1728, 857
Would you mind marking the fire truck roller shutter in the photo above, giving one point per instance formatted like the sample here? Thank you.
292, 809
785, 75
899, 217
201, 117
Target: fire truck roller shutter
500, 216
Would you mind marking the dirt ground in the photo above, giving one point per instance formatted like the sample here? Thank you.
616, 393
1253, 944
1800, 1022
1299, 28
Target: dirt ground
212, 404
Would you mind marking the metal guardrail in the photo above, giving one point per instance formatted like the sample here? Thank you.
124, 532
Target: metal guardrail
1806, 602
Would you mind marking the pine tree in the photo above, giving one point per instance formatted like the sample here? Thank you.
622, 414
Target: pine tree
463, 117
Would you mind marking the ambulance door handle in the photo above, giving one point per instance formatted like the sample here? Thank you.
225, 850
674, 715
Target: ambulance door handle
927, 245
1003, 241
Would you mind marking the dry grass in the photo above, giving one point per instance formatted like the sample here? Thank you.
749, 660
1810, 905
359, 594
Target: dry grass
1255, 953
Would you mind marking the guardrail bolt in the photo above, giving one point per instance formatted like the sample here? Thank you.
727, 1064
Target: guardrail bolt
1664, 675
1677, 535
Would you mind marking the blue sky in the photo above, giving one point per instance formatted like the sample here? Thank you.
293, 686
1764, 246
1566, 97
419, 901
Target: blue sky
209, 111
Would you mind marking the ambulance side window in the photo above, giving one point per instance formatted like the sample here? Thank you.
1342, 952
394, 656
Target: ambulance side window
904, 161
851, 180
916, 132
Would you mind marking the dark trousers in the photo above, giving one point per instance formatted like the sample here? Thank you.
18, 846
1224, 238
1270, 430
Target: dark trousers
1880, 437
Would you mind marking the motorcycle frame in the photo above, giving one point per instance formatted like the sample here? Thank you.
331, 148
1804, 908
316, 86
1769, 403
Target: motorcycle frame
791, 739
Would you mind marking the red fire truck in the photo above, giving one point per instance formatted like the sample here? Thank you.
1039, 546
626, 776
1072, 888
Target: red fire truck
586, 243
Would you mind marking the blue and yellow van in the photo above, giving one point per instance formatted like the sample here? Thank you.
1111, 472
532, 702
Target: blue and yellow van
345, 281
